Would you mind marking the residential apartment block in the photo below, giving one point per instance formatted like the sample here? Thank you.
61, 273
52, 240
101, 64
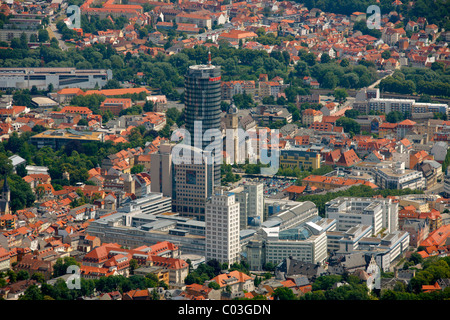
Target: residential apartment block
309, 116
231, 88
369, 100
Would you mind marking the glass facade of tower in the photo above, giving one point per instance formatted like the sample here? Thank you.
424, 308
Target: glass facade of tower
202, 99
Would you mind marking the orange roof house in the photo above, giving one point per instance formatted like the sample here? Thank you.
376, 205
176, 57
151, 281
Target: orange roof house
322, 182
348, 159
117, 92
418, 157
237, 280
236, 35
437, 238
332, 157
293, 191
431, 288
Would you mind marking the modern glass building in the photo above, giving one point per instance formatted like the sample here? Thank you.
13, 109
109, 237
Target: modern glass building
202, 99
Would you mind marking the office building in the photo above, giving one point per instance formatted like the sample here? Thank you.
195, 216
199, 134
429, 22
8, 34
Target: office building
26, 78
148, 229
161, 170
115, 105
306, 240
397, 177
192, 184
309, 116
222, 229
251, 201
298, 158
287, 214
368, 99
57, 139
255, 207
202, 112
380, 213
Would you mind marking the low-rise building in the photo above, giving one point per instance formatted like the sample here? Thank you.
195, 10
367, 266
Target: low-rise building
298, 158
381, 214
397, 177
309, 116
115, 105
56, 139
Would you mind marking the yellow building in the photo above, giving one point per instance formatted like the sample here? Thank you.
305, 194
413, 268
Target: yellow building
7, 222
292, 158
309, 116
56, 139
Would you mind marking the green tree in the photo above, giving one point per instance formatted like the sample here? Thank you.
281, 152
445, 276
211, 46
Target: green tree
22, 275
325, 58
61, 265
283, 293
133, 265
138, 168
349, 125
43, 35
340, 94
330, 80
38, 276
32, 293
82, 122
394, 117
214, 285
386, 54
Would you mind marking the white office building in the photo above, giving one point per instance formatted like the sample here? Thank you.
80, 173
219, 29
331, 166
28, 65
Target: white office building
381, 214
308, 243
222, 228
26, 78
397, 177
251, 200
293, 229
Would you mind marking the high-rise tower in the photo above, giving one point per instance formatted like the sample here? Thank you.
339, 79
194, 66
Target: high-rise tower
222, 228
202, 100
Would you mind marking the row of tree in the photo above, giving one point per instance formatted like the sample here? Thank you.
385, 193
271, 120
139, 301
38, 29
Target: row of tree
424, 81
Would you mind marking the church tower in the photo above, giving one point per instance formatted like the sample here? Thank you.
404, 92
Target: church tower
5, 198
231, 125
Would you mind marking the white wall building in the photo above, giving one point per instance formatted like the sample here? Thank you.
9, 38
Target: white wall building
26, 78
397, 177
381, 214
251, 200
222, 229
309, 244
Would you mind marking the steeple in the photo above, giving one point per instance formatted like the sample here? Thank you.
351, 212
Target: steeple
5, 197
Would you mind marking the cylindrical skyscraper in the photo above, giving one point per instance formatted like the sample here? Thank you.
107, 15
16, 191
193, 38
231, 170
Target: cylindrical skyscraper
202, 101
